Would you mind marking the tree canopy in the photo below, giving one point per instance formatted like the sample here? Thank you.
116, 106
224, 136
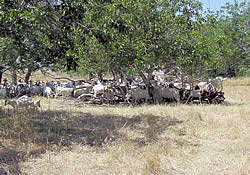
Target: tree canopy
124, 36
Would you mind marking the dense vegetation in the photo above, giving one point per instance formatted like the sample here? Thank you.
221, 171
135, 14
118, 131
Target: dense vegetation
133, 36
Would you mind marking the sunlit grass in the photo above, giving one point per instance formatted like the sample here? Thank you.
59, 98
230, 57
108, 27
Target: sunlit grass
240, 81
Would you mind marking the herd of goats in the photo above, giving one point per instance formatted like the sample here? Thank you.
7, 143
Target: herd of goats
131, 91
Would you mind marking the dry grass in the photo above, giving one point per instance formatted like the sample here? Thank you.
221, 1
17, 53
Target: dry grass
67, 137
240, 81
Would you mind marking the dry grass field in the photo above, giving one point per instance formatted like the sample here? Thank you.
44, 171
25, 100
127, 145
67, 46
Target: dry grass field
67, 137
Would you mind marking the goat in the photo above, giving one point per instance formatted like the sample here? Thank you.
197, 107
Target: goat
20, 102
99, 89
24, 98
194, 94
217, 83
206, 86
21, 89
137, 94
170, 93
109, 95
79, 90
64, 91
23, 103
219, 98
12, 103
160, 93
221, 82
35, 104
216, 97
3, 92
36, 89
202, 85
47, 91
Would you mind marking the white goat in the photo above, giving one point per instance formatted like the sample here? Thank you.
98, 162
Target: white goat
217, 83
24, 98
221, 79
47, 92
64, 91
202, 85
78, 91
23, 102
99, 89
206, 86
194, 94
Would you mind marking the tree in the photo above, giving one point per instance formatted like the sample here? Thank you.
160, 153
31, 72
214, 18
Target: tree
39, 32
232, 25
227, 29
22, 44
123, 36
137, 36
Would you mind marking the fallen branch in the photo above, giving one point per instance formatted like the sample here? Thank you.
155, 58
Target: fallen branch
4, 69
66, 78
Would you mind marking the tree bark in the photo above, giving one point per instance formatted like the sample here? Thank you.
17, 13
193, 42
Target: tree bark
28, 74
145, 80
1, 75
91, 76
100, 76
151, 89
14, 76
114, 75
150, 75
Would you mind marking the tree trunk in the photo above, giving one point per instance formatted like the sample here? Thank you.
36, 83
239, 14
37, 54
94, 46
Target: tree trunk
151, 89
122, 77
1, 75
91, 76
14, 76
150, 75
182, 80
100, 76
114, 75
145, 80
28, 74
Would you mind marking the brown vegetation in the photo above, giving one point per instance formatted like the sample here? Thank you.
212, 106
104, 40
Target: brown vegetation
67, 137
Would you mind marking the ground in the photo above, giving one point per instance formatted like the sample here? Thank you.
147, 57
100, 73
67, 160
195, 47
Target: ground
68, 137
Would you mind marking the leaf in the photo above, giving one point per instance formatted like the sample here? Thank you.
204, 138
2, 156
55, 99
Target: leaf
31, 7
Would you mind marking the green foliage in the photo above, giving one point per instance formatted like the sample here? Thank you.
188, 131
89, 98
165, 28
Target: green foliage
125, 35
232, 40
139, 35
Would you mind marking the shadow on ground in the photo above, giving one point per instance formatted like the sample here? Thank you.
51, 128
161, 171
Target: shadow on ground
9, 161
63, 128
227, 103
